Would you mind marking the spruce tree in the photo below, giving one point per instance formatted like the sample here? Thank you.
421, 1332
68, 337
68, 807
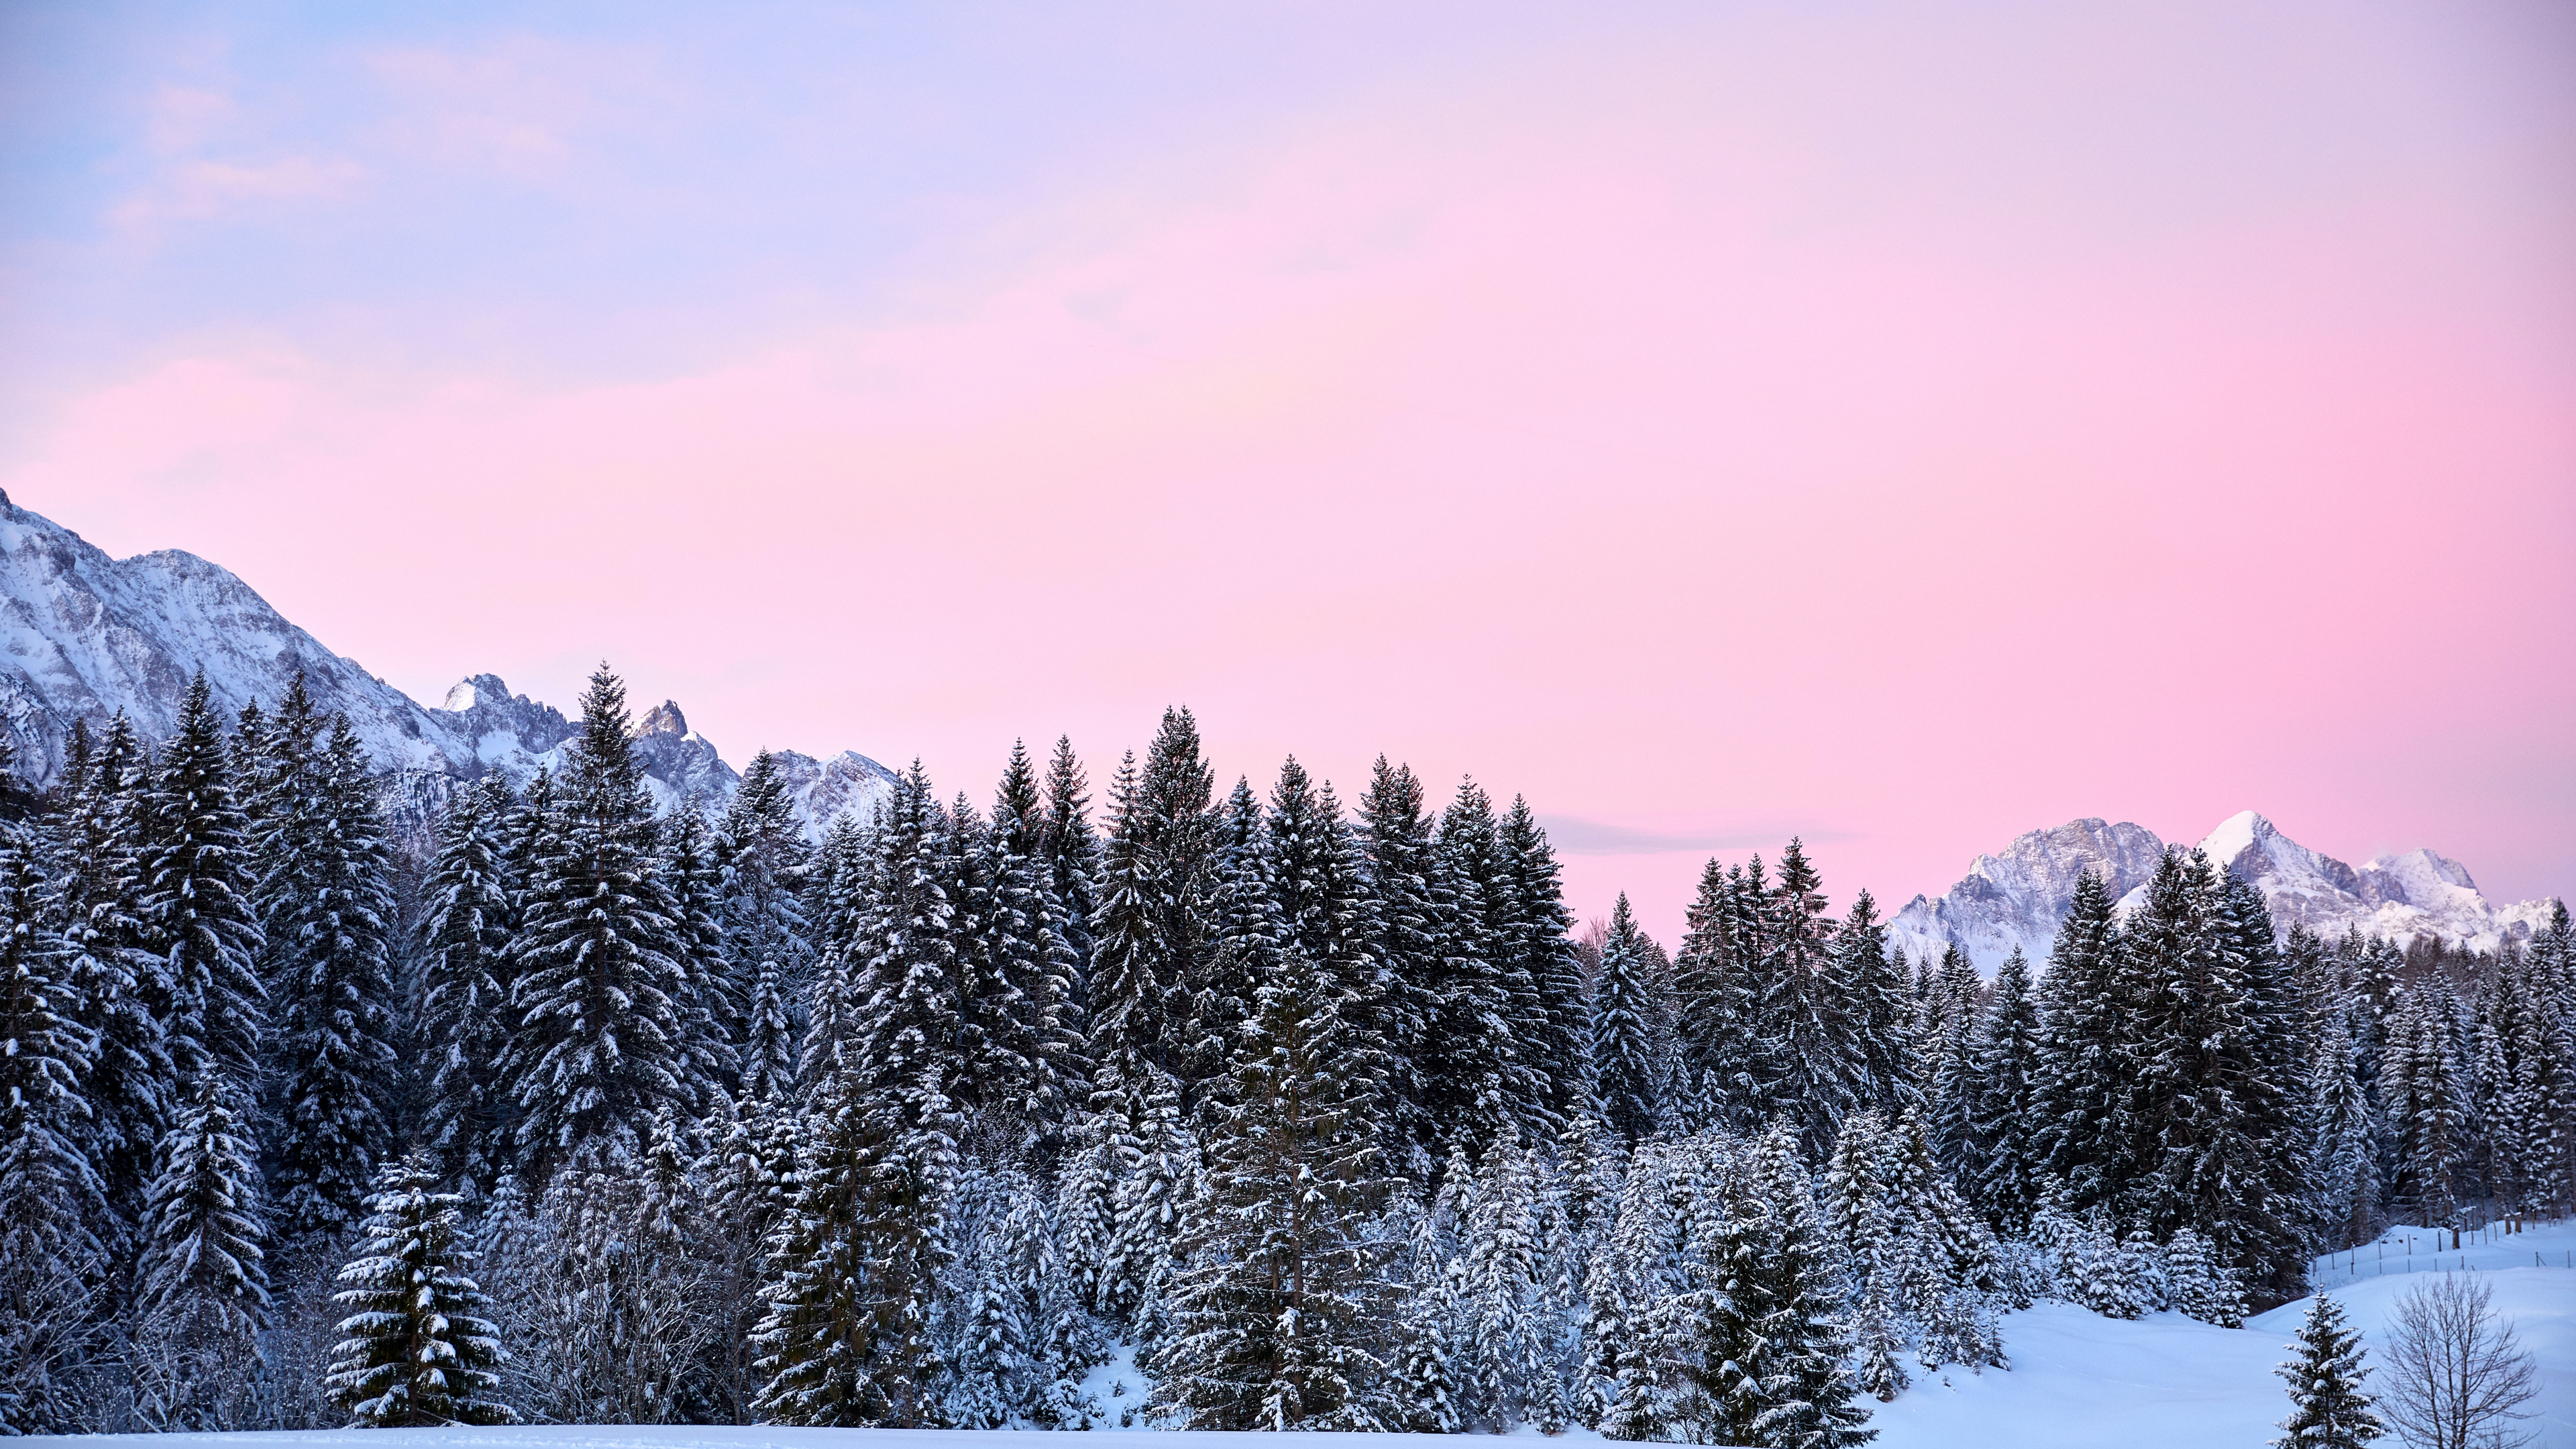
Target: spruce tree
599, 1041
96, 841
1950, 1107
2088, 1128
2344, 1149
1535, 932
196, 911
331, 991
1871, 985
2328, 1408
418, 1352
1397, 838
1717, 1005
50, 1197
2008, 1184
1282, 1291
690, 867
766, 864
463, 1014
1471, 1057
847, 1341
1071, 853
1623, 1015
204, 1268
1806, 1063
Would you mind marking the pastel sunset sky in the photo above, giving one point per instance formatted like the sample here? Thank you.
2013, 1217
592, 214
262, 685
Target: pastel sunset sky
1901, 425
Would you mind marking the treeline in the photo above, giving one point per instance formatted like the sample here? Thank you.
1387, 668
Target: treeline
1285, 1114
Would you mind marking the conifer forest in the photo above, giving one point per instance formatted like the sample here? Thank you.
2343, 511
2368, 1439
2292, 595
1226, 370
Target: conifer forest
1303, 1112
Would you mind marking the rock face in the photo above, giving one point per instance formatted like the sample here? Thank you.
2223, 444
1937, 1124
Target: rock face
83, 635
2018, 898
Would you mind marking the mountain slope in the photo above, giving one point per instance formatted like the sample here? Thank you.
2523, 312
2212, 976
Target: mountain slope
2017, 898
83, 635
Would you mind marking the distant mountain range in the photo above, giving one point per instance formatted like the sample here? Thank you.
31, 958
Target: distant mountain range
2017, 898
83, 635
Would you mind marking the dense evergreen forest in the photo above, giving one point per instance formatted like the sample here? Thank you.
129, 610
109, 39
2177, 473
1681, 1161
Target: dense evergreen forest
1295, 1114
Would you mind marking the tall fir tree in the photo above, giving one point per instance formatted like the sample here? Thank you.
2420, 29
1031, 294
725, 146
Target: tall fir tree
1535, 931
331, 990
2008, 1184
847, 1341
419, 1353
1280, 1292
2087, 1129
462, 1017
1624, 1012
1806, 1060
599, 1041
198, 920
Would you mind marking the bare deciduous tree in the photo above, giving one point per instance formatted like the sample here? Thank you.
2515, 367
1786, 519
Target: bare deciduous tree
2456, 1378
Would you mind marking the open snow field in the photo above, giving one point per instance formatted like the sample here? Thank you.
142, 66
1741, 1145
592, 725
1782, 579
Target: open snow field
2077, 1379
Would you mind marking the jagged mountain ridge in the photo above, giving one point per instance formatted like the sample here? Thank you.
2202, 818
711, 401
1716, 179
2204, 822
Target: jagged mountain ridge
86, 635
2016, 899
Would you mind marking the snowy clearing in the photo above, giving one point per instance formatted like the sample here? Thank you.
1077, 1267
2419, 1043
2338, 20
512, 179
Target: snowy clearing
2079, 1379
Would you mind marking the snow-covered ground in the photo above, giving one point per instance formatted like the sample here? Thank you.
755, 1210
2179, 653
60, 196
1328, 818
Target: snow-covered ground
2079, 1379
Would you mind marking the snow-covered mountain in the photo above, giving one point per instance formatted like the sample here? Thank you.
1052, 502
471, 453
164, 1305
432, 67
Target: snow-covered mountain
2019, 897
86, 635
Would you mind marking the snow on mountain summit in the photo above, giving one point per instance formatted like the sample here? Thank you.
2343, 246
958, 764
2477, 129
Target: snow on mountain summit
2017, 899
86, 635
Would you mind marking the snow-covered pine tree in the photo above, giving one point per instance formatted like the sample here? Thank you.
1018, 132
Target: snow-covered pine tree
1624, 1012
1319, 892
1134, 970
2008, 1184
997, 961
462, 1018
2088, 1128
1950, 1107
2344, 1149
1872, 986
1535, 931
2425, 1105
1397, 838
1070, 853
331, 990
196, 911
766, 863
1033, 939
418, 1352
1210, 1011
2328, 1407
2199, 1285
1754, 1346
1511, 1376
847, 1340
204, 1271
50, 1197
95, 842
1282, 1293
1470, 1060
690, 866
1716, 1008
1807, 1061
995, 1376
599, 1041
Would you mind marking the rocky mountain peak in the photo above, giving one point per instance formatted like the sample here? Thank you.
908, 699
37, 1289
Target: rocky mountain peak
2017, 899
664, 719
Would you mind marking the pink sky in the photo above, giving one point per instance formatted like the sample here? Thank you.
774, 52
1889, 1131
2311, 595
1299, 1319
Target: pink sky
1902, 429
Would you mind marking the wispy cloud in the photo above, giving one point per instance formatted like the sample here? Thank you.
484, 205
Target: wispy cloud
1574, 835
